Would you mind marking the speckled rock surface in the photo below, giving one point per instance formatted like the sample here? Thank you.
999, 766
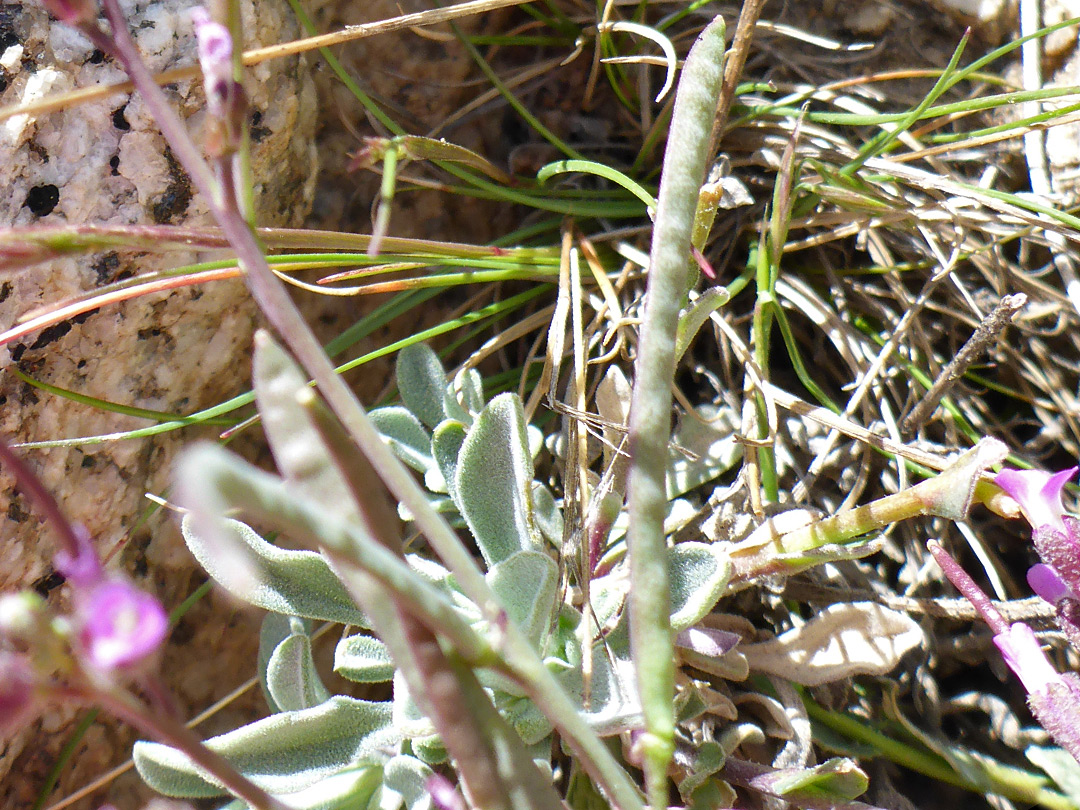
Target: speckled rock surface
104, 162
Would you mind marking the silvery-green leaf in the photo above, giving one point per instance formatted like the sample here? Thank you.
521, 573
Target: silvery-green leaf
408, 777
285, 753
548, 515
705, 446
430, 749
534, 438
291, 678
607, 595
614, 706
295, 583
406, 436
564, 644
421, 380
836, 780
363, 659
699, 572
446, 444
275, 629
528, 721
464, 396
494, 481
526, 584
434, 481
407, 717
708, 759
345, 790
299, 449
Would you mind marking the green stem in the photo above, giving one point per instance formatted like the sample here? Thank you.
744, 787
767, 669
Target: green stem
651, 636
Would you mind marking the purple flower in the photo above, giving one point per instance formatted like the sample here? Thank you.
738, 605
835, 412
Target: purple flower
1025, 657
119, 625
83, 568
1038, 493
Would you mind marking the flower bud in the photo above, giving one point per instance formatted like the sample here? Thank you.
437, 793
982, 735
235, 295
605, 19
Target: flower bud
225, 98
1045, 582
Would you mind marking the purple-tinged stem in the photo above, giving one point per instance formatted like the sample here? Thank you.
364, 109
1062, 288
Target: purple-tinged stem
30, 485
967, 587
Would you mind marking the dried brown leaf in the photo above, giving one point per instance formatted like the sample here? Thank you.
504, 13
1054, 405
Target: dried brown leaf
859, 638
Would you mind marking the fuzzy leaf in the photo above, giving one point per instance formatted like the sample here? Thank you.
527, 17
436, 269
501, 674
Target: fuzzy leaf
274, 630
291, 678
709, 436
352, 788
421, 380
431, 750
837, 780
406, 436
526, 585
285, 753
465, 396
296, 583
494, 482
708, 759
857, 638
699, 573
408, 777
299, 449
446, 444
548, 515
614, 706
363, 659
524, 715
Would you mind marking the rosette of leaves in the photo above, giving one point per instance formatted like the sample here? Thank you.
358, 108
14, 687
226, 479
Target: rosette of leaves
321, 750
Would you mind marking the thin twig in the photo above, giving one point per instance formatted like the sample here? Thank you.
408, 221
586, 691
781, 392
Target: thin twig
986, 333
733, 66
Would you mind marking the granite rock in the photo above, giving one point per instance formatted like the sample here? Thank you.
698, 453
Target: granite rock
104, 162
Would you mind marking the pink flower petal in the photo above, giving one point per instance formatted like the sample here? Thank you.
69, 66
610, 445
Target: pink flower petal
83, 568
120, 625
1025, 657
1045, 582
1038, 493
